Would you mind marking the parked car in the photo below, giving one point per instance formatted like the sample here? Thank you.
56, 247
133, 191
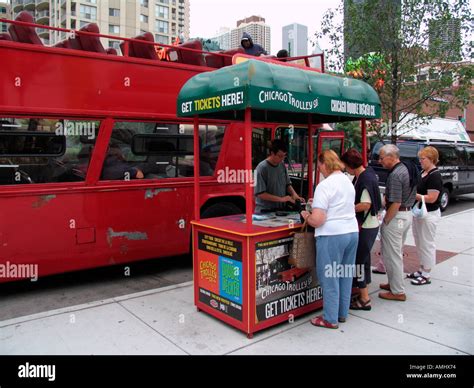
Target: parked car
456, 164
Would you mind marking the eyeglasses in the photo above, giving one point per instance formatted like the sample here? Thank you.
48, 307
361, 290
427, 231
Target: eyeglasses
381, 158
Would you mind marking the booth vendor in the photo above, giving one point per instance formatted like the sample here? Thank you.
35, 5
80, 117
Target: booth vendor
273, 185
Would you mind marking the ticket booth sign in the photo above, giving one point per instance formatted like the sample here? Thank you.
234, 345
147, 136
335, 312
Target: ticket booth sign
220, 274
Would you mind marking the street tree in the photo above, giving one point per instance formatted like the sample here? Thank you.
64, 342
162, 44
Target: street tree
403, 49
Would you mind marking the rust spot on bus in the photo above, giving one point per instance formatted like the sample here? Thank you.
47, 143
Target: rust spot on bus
149, 194
43, 200
132, 236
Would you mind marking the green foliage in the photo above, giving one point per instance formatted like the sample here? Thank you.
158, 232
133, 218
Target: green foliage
402, 46
352, 134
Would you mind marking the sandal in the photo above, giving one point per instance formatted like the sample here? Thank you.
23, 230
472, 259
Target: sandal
359, 304
414, 275
421, 281
319, 321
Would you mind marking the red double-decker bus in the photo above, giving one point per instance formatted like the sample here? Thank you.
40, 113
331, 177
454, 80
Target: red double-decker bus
95, 167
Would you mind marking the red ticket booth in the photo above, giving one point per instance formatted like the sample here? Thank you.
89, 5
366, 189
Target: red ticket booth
242, 263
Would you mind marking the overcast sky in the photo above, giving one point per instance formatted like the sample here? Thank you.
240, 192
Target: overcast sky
207, 16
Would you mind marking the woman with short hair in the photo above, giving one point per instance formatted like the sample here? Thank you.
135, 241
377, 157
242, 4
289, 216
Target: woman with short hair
424, 229
336, 231
367, 205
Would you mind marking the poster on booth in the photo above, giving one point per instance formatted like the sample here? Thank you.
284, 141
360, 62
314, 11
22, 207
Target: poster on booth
281, 287
219, 280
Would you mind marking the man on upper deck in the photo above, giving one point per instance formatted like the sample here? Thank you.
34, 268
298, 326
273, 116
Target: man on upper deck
250, 47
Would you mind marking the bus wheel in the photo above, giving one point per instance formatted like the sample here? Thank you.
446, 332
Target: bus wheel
444, 200
221, 209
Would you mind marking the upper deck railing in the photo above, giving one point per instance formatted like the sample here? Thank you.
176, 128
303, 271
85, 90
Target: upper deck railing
189, 52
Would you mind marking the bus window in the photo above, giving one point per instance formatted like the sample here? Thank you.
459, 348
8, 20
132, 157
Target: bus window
38, 150
152, 150
332, 144
296, 139
261, 138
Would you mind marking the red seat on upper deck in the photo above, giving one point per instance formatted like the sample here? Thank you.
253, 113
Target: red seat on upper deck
90, 42
141, 50
218, 61
24, 34
190, 57
5, 36
111, 51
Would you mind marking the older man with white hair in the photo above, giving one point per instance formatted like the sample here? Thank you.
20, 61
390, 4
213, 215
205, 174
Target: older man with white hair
400, 196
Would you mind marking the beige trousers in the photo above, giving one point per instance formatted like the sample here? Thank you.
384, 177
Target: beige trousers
393, 238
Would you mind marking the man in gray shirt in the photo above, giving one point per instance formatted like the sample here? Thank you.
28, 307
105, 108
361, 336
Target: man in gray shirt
273, 185
399, 199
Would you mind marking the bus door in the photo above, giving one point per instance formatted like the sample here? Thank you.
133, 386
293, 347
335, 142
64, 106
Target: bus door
296, 139
327, 140
261, 136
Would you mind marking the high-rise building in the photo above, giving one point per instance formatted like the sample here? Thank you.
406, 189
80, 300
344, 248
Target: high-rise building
253, 25
387, 9
166, 19
295, 39
5, 13
256, 27
316, 61
445, 38
223, 38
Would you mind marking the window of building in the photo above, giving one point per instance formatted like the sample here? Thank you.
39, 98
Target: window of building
164, 1
144, 18
88, 12
114, 12
161, 26
34, 150
114, 44
144, 3
82, 23
114, 29
162, 39
161, 12
144, 150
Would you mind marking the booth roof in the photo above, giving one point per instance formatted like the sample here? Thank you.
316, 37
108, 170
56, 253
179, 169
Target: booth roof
277, 93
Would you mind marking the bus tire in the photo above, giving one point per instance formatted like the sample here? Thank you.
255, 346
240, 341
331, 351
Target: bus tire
444, 199
221, 209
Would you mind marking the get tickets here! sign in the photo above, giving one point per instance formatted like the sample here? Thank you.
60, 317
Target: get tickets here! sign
227, 101
271, 99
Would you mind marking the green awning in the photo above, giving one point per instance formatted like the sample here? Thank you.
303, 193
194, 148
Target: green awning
279, 93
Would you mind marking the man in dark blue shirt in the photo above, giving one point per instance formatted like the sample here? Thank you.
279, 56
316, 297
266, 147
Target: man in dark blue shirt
250, 47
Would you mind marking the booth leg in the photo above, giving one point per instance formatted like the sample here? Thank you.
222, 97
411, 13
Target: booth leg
250, 335
198, 309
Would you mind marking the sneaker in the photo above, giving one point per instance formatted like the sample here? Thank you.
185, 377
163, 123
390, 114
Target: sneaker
420, 281
414, 275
